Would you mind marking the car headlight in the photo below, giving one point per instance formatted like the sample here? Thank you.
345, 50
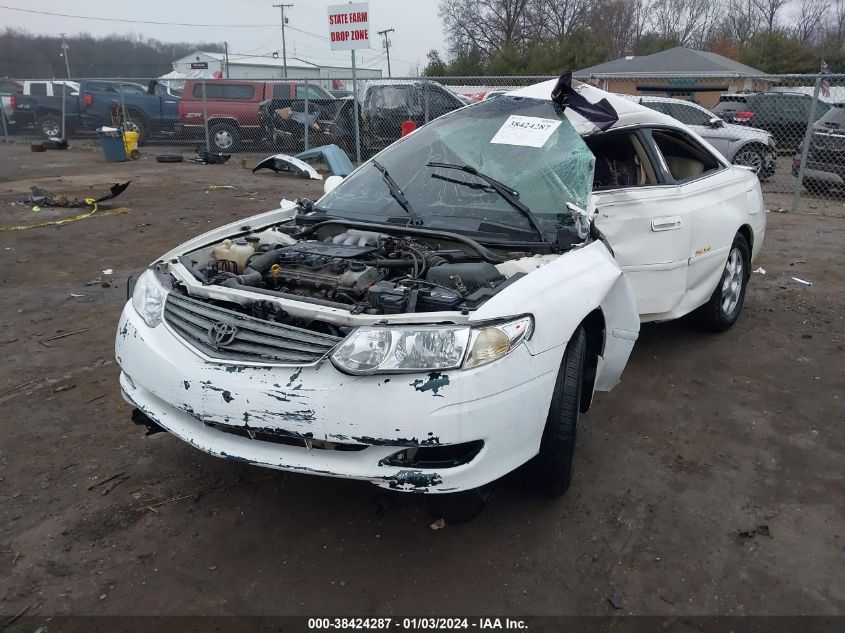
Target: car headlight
148, 298
495, 341
416, 348
370, 350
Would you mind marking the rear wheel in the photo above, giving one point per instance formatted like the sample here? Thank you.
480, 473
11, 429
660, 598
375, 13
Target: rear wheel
50, 125
725, 304
224, 137
551, 470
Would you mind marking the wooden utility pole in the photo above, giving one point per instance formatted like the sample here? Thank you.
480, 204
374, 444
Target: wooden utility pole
284, 49
385, 33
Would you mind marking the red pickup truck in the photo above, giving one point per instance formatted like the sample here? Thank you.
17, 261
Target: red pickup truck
233, 107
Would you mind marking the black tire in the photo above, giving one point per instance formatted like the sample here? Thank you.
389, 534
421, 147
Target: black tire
751, 156
49, 125
169, 158
225, 137
551, 470
725, 304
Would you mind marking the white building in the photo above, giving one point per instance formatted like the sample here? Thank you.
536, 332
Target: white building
265, 67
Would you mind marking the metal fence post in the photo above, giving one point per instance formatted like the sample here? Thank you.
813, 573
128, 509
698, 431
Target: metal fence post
122, 103
64, 111
355, 113
205, 118
307, 114
426, 100
805, 146
5, 127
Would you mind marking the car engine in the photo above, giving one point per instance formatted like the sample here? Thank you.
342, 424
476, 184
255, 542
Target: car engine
361, 271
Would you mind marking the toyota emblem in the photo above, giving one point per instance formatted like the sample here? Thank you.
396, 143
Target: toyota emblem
222, 334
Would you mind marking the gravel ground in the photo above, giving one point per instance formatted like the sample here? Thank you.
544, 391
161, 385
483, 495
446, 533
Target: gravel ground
707, 436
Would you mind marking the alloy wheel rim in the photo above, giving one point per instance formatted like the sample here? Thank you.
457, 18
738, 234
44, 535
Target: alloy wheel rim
732, 282
749, 159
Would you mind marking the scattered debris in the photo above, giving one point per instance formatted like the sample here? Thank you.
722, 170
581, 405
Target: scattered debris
802, 281
44, 198
204, 157
438, 524
761, 530
73, 294
62, 388
95, 398
760, 270
108, 271
616, 599
65, 335
26, 384
216, 187
114, 481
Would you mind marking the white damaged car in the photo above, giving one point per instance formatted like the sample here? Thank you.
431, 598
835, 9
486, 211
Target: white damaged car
444, 314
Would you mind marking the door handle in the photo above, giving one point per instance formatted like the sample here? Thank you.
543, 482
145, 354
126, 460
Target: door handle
666, 224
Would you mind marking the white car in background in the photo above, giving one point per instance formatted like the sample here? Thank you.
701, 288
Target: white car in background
740, 144
444, 314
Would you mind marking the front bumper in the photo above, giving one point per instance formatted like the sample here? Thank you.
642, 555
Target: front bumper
503, 404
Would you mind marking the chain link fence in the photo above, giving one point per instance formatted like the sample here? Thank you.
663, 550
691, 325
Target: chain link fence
790, 129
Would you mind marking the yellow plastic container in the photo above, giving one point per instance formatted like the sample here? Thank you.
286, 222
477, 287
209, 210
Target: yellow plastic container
130, 141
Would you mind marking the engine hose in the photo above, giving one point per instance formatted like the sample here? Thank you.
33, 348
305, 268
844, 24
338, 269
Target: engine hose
285, 295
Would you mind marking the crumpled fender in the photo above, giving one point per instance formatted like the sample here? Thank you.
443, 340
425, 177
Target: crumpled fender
291, 164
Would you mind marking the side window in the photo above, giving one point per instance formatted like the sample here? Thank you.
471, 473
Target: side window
38, 89
282, 91
234, 92
621, 162
442, 101
685, 157
691, 115
311, 91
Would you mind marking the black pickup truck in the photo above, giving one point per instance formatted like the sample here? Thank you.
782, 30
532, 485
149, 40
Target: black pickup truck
39, 106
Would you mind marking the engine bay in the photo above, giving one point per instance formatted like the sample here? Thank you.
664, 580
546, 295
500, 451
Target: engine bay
363, 270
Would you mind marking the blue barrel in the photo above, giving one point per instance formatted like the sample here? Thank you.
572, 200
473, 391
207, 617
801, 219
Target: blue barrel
112, 143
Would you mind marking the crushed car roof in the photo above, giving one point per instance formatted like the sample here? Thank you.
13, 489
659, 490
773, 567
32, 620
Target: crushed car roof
630, 113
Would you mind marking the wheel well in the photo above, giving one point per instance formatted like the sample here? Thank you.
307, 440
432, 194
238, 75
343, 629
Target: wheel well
594, 328
232, 122
748, 234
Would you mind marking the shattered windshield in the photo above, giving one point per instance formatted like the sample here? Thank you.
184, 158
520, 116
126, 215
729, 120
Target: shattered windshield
528, 145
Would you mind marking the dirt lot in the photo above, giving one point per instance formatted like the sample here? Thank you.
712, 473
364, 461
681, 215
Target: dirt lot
706, 436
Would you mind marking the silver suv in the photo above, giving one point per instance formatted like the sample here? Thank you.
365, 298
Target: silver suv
740, 144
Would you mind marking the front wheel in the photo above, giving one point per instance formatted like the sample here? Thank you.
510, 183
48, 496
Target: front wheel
551, 470
752, 157
725, 304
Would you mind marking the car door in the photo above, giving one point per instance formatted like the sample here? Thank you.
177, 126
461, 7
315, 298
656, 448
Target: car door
639, 213
716, 200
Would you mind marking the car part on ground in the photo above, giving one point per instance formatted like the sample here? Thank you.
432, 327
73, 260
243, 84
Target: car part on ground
288, 164
169, 158
44, 198
333, 157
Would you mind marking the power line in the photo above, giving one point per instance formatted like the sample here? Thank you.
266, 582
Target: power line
99, 19
284, 46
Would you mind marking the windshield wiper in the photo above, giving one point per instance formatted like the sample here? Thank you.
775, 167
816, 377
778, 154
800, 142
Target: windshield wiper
397, 194
509, 195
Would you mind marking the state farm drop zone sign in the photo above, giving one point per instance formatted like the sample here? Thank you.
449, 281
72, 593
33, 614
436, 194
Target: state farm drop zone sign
349, 26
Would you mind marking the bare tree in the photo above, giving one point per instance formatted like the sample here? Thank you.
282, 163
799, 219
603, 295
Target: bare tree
688, 21
769, 10
809, 20
617, 23
488, 25
557, 19
741, 21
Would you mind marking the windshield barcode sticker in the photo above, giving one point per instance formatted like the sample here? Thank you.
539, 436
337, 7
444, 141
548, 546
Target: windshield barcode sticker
528, 131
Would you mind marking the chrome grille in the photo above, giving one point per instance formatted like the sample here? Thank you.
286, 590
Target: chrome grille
256, 340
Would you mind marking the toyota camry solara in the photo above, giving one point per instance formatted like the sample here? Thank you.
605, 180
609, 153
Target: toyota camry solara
446, 313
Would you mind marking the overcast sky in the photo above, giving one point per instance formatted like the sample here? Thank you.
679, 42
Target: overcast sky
418, 28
